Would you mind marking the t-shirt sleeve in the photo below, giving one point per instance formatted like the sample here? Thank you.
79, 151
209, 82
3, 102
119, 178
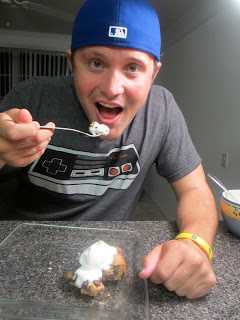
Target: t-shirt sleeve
178, 156
12, 100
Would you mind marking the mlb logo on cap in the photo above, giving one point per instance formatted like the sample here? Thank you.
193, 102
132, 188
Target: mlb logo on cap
117, 32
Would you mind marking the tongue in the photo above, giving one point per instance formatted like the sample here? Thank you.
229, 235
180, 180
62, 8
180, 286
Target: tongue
108, 113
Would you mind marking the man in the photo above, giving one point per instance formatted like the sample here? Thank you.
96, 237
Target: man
114, 57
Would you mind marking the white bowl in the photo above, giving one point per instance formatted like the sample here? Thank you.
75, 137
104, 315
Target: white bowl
231, 211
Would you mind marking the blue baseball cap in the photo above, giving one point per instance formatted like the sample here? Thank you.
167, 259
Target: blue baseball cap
122, 23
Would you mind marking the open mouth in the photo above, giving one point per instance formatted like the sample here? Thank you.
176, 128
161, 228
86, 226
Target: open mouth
108, 111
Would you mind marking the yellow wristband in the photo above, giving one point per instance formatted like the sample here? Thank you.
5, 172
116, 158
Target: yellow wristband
198, 240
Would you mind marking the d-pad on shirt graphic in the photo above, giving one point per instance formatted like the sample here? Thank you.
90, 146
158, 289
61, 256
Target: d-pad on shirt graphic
54, 166
77, 172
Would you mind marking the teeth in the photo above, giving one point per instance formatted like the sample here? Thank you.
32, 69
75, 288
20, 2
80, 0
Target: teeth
108, 105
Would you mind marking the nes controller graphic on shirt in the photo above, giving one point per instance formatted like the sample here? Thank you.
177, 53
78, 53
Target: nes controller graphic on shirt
77, 172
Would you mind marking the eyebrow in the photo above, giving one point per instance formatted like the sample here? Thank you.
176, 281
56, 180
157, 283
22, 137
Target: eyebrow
90, 51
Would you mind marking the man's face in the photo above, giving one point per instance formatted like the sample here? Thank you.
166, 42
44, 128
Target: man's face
112, 84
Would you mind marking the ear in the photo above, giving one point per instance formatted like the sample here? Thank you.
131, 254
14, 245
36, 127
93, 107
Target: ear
159, 64
69, 53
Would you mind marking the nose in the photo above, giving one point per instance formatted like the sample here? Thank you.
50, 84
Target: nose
112, 83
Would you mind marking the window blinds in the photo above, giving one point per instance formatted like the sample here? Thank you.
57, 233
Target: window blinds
17, 65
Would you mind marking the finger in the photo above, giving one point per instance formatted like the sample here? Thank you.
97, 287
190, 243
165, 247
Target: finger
179, 278
35, 140
24, 116
45, 134
17, 124
26, 152
23, 131
191, 263
198, 284
10, 147
188, 287
7, 146
7, 117
23, 157
23, 162
200, 291
171, 259
11, 115
39, 137
49, 124
14, 131
150, 262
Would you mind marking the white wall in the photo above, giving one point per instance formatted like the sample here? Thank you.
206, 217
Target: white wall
203, 72
34, 40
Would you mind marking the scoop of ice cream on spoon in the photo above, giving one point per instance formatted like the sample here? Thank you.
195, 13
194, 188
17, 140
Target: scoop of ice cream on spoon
98, 129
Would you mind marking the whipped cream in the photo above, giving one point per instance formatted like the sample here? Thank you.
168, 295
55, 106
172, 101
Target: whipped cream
97, 128
94, 260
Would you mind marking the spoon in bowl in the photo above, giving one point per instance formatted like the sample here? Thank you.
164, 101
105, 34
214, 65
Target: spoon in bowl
221, 185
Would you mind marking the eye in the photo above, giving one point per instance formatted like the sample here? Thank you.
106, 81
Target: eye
95, 64
133, 68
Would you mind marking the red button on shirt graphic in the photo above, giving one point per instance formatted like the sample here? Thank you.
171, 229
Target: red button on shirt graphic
113, 171
127, 167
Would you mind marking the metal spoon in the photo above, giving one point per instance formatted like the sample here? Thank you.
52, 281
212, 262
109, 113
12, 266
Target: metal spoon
74, 130
221, 185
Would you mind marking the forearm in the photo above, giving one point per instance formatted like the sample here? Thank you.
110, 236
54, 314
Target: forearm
197, 214
183, 265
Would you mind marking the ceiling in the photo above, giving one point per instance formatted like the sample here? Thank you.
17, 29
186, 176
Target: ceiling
13, 16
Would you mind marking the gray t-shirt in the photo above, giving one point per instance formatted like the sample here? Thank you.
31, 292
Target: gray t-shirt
82, 178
